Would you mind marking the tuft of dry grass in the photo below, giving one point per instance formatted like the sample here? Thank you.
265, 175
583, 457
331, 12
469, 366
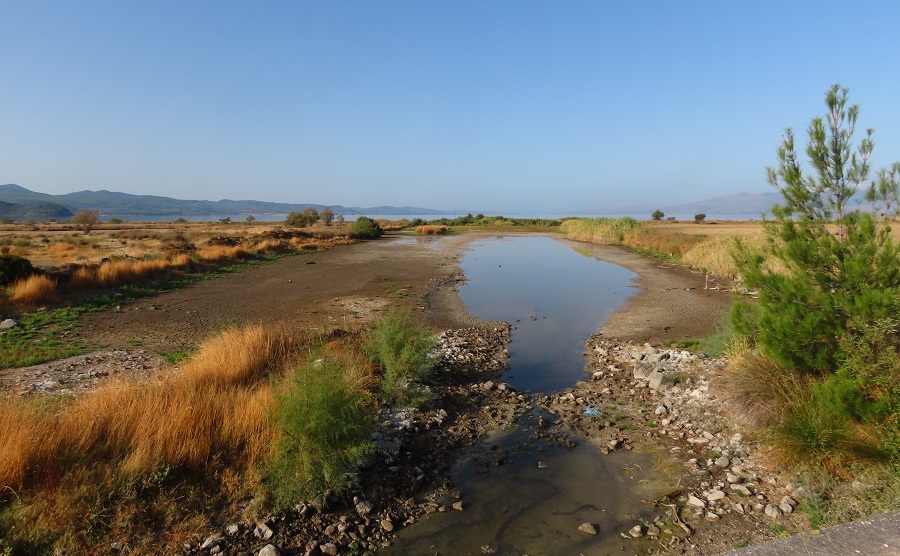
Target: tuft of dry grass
34, 290
759, 390
431, 230
714, 255
22, 431
222, 253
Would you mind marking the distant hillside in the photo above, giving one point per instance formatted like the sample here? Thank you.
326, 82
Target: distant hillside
111, 203
36, 211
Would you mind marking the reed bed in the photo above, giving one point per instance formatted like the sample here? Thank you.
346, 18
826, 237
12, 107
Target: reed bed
604, 231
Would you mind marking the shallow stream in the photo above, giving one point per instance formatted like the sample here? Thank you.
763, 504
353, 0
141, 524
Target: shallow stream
532, 495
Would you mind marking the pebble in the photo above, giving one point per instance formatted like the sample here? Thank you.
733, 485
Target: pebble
269, 550
588, 528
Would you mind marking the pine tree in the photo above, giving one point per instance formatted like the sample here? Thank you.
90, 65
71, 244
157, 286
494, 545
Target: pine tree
839, 266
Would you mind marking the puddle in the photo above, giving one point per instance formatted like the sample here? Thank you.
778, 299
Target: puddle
554, 297
536, 498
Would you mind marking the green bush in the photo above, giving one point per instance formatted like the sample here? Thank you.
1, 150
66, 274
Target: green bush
13, 268
840, 264
401, 349
365, 228
326, 419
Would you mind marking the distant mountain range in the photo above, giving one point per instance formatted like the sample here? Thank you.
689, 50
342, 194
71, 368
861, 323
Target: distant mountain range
112, 203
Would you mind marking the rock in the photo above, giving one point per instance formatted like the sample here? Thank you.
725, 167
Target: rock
329, 548
694, 501
773, 511
7, 324
210, 542
364, 508
710, 516
786, 508
387, 525
723, 462
542, 465
653, 531
789, 501
661, 381
615, 444
636, 531
740, 488
233, 529
588, 528
458, 506
262, 531
215, 550
269, 550
715, 495
489, 548
732, 478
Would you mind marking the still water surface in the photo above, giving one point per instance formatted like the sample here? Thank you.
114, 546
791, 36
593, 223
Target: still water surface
555, 298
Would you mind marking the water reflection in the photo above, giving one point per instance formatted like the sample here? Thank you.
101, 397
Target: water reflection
553, 296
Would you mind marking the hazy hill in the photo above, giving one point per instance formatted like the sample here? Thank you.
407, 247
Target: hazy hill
112, 203
35, 211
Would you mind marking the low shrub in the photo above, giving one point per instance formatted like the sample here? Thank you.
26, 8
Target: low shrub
325, 416
431, 230
14, 268
365, 228
401, 348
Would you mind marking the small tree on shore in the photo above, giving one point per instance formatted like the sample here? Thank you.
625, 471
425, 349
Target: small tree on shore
86, 220
841, 267
657, 214
700, 217
327, 216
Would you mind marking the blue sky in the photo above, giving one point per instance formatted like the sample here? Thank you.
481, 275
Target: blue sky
512, 106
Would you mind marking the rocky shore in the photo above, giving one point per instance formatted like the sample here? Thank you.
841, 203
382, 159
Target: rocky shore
639, 397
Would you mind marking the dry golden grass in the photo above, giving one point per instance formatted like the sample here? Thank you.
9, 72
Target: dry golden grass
671, 244
22, 431
758, 389
714, 255
33, 290
431, 230
222, 253
218, 405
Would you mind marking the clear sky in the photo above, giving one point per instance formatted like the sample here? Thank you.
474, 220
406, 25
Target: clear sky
512, 106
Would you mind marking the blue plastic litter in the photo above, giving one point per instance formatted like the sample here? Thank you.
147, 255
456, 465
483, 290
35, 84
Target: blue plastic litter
591, 411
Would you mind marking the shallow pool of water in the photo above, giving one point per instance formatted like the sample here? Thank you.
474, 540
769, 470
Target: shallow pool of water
534, 501
554, 297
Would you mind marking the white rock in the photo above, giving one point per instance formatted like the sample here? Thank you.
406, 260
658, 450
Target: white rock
262, 531
694, 501
715, 495
773, 511
269, 550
